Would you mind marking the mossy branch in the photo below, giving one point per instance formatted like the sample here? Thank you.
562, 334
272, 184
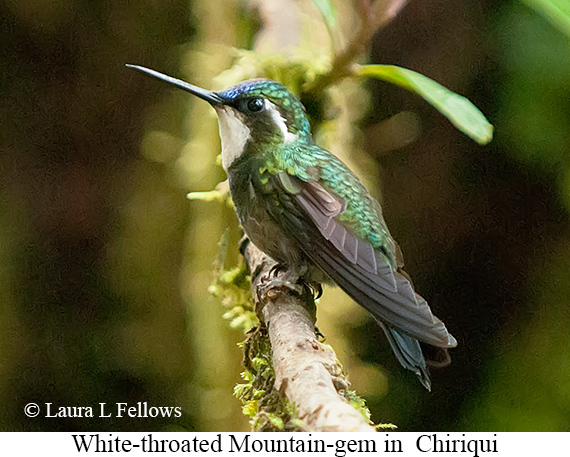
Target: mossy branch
293, 381
306, 370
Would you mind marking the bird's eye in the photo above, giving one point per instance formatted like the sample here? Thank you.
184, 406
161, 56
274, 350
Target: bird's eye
255, 104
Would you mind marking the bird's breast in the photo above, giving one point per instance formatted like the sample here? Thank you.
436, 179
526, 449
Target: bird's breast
251, 200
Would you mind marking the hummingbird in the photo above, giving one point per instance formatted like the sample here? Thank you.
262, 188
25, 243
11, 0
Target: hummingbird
303, 207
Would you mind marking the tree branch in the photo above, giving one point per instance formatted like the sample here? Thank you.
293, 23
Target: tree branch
307, 371
372, 16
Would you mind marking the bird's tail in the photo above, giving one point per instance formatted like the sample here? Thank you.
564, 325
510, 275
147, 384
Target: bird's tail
408, 352
411, 356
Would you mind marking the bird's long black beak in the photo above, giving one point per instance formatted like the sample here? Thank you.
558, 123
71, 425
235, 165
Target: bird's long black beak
210, 96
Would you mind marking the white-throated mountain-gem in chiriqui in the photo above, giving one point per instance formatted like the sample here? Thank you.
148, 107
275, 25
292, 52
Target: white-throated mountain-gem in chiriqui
304, 208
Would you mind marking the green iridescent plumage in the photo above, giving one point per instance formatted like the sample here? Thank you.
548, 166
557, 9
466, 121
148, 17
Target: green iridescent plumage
308, 161
303, 207
292, 110
363, 214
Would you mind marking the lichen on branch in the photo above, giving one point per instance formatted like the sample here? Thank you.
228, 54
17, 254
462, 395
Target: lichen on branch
293, 380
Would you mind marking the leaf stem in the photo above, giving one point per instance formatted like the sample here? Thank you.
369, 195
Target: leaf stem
372, 16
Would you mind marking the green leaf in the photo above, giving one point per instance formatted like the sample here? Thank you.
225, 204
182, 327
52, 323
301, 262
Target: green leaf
460, 111
556, 11
276, 421
328, 12
207, 196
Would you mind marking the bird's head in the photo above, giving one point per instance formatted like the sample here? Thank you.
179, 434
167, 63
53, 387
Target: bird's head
258, 113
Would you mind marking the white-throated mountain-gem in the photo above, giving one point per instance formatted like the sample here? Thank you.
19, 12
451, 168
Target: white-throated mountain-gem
304, 208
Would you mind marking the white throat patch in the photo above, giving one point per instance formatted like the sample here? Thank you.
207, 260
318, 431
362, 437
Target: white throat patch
280, 122
234, 134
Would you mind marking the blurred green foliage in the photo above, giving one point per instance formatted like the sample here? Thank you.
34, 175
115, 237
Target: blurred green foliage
557, 11
535, 100
528, 385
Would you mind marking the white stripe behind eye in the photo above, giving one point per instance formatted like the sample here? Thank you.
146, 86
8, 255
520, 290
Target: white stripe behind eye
280, 122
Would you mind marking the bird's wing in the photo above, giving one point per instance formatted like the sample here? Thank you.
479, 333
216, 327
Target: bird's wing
361, 271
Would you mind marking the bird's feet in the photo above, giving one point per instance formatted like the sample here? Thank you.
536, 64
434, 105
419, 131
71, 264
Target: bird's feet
280, 278
316, 289
277, 280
